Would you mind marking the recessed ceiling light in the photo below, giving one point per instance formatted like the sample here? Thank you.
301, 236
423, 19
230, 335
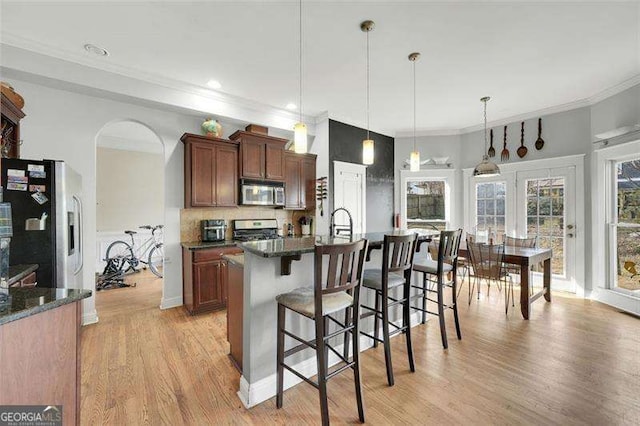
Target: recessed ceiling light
291, 106
96, 49
214, 84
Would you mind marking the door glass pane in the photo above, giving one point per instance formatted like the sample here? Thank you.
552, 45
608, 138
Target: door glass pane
426, 204
545, 218
627, 256
490, 209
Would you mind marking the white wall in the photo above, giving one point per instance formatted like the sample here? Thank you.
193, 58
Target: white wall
129, 189
64, 125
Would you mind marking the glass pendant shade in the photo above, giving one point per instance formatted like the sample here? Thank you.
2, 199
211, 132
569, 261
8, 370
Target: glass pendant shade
486, 168
414, 161
367, 151
300, 138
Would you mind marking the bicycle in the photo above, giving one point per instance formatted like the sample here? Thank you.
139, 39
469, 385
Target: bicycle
125, 257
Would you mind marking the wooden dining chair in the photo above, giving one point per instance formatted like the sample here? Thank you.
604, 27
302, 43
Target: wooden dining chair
339, 291
397, 261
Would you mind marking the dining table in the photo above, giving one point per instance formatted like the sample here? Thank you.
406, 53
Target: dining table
524, 257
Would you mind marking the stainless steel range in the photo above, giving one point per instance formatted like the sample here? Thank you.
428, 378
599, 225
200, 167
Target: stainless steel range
255, 229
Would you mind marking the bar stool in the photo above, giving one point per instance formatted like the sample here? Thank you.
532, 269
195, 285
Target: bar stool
447, 263
397, 261
340, 291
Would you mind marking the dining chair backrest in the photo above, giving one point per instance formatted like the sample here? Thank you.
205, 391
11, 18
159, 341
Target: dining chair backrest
345, 267
520, 242
486, 259
397, 254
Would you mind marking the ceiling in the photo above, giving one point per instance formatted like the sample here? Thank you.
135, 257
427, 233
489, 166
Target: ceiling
526, 56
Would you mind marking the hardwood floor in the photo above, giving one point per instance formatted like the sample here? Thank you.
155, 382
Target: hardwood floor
575, 362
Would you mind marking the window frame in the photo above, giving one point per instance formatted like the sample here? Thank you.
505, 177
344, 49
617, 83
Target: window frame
445, 175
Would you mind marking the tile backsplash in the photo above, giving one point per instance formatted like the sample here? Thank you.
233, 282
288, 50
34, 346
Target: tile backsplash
190, 218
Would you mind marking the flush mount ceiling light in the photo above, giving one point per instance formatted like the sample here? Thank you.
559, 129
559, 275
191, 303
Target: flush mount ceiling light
291, 106
96, 50
300, 129
368, 149
414, 160
486, 168
214, 84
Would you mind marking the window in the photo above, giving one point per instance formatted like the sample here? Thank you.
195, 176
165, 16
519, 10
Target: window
490, 210
545, 218
627, 225
426, 203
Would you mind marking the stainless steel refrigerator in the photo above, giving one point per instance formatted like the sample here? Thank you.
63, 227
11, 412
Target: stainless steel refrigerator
46, 211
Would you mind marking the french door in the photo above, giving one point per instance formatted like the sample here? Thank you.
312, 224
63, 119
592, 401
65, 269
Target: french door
546, 209
531, 200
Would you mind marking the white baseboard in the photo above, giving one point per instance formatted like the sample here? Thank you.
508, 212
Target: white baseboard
252, 394
171, 302
90, 317
619, 300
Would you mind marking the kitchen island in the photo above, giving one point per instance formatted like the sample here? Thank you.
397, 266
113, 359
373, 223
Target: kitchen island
272, 267
40, 349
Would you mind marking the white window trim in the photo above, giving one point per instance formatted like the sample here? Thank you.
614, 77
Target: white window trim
601, 213
448, 176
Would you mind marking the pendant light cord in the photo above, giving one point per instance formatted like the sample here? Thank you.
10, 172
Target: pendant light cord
368, 85
414, 105
300, 67
485, 126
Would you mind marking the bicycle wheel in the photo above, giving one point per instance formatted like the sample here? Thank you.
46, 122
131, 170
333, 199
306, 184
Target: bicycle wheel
123, 255
156, 260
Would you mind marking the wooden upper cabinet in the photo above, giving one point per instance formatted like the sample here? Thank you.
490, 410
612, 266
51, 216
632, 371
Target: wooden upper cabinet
227, 176
203, 178
292, 182
274, 156
253, 159
210, 171
261, 156
300, 181
309, 180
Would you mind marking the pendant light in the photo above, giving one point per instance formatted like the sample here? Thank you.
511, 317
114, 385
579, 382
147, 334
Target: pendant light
300, 129
368, 150
486, 168
414, 160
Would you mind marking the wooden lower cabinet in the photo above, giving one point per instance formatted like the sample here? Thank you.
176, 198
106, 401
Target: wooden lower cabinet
234, 312
204, 283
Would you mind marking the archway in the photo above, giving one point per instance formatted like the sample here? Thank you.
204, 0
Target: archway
130, 167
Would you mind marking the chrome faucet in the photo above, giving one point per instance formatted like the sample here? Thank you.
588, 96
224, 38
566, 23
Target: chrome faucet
337, 228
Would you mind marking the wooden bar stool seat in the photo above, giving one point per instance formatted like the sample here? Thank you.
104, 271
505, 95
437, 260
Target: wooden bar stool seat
372, 279
397, 260
301, 300
334, 291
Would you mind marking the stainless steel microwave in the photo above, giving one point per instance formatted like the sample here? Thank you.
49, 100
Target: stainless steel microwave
259, 193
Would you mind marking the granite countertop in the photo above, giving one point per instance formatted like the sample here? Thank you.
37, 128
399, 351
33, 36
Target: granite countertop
18, 272
295, 246
199, 245
30, 301
236, 259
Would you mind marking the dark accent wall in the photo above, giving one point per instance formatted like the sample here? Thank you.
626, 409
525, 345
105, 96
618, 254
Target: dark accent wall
345, 144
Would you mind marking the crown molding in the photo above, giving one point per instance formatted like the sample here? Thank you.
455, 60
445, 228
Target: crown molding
581, 103
612, 91
102, 64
